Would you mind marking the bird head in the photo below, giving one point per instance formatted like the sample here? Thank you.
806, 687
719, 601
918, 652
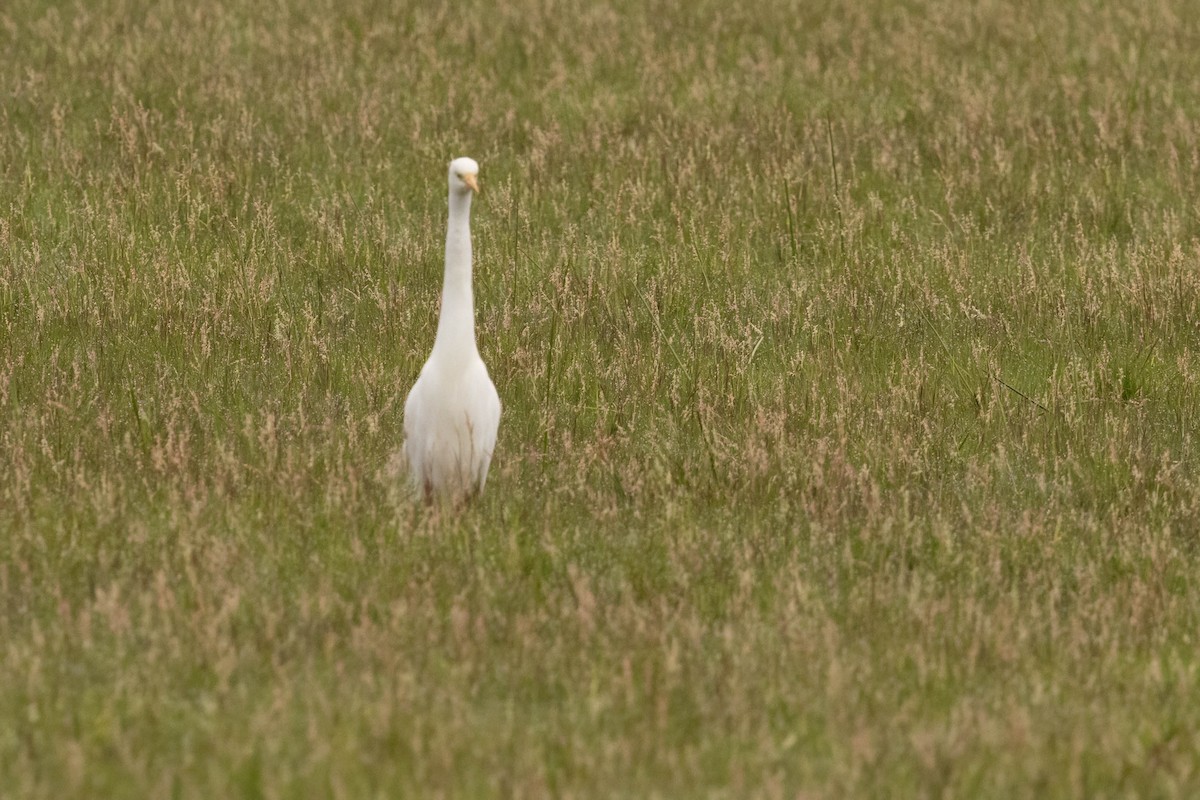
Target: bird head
464, 175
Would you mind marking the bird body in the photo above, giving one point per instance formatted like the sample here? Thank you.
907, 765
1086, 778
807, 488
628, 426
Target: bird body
452, 414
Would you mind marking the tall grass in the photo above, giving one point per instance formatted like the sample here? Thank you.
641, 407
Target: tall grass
849, 361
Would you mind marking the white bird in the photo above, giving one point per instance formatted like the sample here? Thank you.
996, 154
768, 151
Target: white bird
452, 414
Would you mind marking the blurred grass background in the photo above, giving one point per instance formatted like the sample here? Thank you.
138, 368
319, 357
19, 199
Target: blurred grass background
849, 361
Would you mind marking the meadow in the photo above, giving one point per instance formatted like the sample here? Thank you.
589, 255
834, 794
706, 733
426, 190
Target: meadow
850, 359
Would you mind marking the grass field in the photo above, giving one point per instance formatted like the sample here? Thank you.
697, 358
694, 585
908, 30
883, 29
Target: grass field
850, 356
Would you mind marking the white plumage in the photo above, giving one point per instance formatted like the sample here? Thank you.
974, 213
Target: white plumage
453, 412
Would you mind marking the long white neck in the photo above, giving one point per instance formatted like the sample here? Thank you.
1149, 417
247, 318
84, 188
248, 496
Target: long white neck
456, 326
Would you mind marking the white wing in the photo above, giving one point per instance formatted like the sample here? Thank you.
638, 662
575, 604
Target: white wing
485, 423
